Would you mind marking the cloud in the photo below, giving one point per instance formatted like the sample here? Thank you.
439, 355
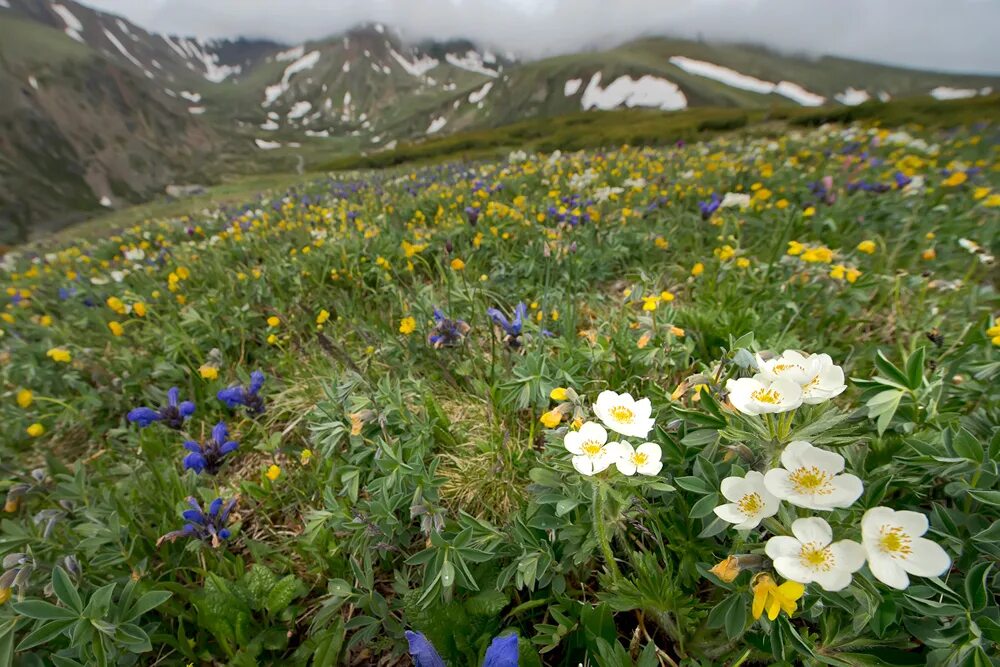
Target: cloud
956, 35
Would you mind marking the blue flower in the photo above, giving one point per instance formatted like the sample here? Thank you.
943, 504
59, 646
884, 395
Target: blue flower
709, 207
902, 180
172, 414
446, 332
473, 214
512, 329
207, 526
245, 396
210, 456
501, 653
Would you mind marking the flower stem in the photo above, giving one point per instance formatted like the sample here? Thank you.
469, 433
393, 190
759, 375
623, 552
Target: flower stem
601, 527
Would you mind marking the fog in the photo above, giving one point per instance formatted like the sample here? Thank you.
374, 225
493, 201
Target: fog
951, 35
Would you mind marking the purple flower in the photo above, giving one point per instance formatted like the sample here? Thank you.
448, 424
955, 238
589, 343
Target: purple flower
708, 208
172, 414
446, 332
245, 396
207, 526
512, 329
902, 180
210, 456
473, 214
502, 651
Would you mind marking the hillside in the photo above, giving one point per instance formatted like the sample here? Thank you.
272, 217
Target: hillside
96, 111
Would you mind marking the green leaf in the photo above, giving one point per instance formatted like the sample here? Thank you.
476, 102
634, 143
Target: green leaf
977, 591
915, 369
447, 574
565, 506
966, 446
704, 507
45, 611
693, 484
134, 638
65, 590
99, 602
339, 587
44, 633
890, 371
883, 406
986, 497
147, 602
286, 590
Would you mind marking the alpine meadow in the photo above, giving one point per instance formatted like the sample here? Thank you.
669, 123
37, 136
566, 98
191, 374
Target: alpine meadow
665, 352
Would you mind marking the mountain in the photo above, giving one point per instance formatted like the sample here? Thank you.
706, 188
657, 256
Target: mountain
96, 111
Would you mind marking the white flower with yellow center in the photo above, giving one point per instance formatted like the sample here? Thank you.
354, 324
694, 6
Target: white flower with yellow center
819, 378
896, 549
813, 478
592, 453
750, 502
644, 459
757, 396
812, 555
623, 414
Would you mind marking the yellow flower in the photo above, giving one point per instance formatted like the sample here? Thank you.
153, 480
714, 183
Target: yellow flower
956, 179
809, 212
993, 201
980, 193
323, 316
457, 264
407, 325
649, 302
306, 456
853, 275
697, 269
273, 321
25, 398
867, 247
116, 328
273, 472
795, 248
36, 430
208, 372
726, 569
644, 340
5, 594
60, 354
116, 304
929, 254
558, 394
819, 255
551, 419
139, 308
661, 243
742, 262
767, 594
724, 253
272, 339
45, 320
676, 331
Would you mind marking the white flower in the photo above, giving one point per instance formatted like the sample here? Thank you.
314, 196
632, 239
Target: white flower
592, 453
811, 478
623, 414
604, 193
644, 459
895, 547
817, 375
740, 199
812, 555
750, 502
756, 395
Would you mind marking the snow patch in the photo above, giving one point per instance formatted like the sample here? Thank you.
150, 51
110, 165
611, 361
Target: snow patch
852, 97
346, 67
266, 145
477, 96
270, 125
196, 111
121, 48
646, 91
308, 61
197, 50
293, 53
105, 202
436, 125
4, 4
571, 87
730, 77
734, 79
318, 133
883, 96
191, 97
797, 93
299, 109
949, 93
472, 62
73, 25
33, 82
418, 67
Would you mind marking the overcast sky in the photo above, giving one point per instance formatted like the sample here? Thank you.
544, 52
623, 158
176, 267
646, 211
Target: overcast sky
957, 35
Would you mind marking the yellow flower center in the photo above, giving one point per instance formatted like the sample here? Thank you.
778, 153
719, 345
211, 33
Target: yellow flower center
622, 414
781, 368
639, 458
751, 504
815, 557
811, 480
769, 396
591, 448
894, 541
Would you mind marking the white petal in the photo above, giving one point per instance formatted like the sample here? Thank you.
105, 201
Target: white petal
795, 454
584, 465
573, 442
846, 489
650, 468
782, 546
731, 513
813, 529
734, 488
792, 568
874, 519
594, 431
834, 580
777, 484
642, 409
828, 461
848, 555
888, 571
927, 559
625, 466
913, 523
